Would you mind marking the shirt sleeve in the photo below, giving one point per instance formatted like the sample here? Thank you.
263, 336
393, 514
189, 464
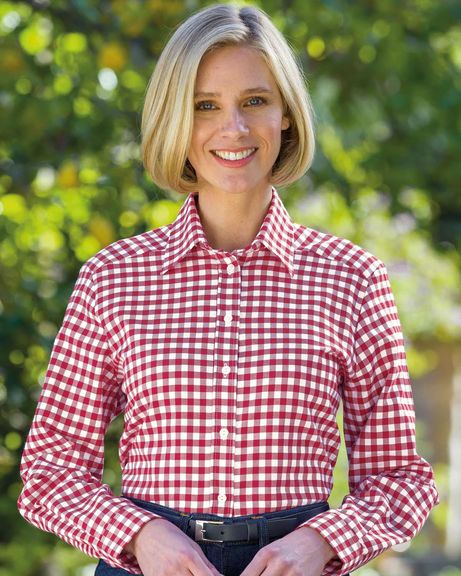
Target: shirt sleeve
392, 489
63, 459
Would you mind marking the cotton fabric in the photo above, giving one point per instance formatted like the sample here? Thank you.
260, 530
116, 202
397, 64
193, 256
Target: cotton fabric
229, 368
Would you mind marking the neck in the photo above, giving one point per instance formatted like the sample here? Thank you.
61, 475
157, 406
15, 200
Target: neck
231, 222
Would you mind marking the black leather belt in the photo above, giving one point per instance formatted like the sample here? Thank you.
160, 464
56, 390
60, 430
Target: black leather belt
245, 531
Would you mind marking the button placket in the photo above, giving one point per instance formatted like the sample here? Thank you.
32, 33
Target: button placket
225, 378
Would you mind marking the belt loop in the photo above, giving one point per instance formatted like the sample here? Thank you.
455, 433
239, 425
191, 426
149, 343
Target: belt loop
263, 532
253, 531
184, 523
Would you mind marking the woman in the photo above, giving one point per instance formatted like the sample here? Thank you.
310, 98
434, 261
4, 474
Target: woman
228, 339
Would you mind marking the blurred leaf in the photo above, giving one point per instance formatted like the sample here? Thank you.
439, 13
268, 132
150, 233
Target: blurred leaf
385, 83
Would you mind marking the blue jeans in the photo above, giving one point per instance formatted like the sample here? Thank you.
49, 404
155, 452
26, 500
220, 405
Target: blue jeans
229, 558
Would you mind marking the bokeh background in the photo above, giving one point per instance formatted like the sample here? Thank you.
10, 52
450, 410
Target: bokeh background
385, 80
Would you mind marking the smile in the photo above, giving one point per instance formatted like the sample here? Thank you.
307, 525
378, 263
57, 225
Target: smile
233, 156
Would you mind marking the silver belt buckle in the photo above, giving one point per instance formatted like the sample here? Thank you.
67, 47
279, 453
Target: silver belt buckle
200, 531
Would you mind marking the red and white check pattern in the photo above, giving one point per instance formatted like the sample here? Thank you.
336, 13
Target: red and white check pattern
229, 368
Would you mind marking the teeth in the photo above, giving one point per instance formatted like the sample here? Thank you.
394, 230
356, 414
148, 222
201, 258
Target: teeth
234, 155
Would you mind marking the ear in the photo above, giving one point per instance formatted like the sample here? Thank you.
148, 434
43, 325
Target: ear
285, 123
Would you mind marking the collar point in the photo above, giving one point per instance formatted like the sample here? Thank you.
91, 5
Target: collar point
291, 271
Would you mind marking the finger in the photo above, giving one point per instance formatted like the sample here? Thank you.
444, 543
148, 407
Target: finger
256, 567
207, 562
201, 566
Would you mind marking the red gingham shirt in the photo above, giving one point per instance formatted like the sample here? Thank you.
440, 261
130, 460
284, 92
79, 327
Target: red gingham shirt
229, 368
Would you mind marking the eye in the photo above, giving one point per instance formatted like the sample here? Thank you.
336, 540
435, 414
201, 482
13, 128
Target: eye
205, 106
256, 101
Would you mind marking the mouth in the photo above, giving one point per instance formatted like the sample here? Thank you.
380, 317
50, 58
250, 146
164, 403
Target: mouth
234, 156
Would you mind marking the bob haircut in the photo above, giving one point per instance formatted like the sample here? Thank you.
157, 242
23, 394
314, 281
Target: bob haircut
168, 113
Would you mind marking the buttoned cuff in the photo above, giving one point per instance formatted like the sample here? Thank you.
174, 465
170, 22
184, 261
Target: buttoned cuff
118, 530
341, 533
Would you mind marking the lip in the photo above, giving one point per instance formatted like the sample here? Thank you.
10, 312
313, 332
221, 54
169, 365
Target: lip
234, 163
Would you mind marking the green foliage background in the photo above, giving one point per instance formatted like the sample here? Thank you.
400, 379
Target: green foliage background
385, 81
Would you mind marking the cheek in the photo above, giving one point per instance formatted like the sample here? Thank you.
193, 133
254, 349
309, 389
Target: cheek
273, 126
274, 138
199, 138
193, 150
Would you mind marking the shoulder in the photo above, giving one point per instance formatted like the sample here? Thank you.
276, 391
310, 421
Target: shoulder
127, 252
336, 251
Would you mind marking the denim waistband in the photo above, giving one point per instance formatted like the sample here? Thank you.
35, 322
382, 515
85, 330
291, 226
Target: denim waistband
229, 558
302, 513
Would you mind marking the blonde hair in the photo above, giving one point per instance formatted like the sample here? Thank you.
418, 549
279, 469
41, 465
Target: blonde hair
168, 113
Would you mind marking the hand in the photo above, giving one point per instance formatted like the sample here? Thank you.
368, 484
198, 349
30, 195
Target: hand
162, 549
303, 552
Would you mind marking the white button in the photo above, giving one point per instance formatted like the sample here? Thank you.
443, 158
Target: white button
222, 497
226, 370
230, 269
224, 433
228, 318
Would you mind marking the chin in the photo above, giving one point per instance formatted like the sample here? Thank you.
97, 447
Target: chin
238, 186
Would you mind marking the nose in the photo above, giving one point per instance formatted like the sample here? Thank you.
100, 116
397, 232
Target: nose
234, 123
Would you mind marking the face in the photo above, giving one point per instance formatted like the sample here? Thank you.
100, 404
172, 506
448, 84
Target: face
238, 122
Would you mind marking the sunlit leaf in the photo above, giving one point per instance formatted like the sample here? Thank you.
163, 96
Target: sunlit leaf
37, 36
112, 55
13, 207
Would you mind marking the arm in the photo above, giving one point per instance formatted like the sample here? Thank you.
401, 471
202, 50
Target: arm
63, 458
391, 488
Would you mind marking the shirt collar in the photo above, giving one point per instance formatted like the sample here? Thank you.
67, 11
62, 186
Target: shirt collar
186, 232
277, 232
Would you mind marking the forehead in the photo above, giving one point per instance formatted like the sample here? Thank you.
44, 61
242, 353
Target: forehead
232, 65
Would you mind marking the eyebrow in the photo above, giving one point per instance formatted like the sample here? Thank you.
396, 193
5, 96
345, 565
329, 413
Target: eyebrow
258, 89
